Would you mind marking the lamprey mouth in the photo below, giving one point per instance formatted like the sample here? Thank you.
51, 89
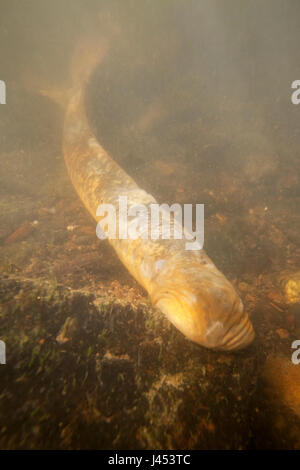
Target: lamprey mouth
241, 338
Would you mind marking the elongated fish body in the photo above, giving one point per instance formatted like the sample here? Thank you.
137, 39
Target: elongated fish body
184, 284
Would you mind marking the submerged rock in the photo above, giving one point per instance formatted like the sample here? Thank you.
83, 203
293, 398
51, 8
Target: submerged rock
292, 289
280, 408
116, 376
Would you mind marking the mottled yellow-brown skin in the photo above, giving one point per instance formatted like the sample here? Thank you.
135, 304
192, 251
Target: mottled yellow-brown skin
185, 285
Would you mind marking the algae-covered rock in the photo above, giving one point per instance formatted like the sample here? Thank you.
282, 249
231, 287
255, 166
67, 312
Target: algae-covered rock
119, 377
292, 289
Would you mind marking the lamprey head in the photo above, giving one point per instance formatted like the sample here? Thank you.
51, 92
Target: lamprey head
203, 305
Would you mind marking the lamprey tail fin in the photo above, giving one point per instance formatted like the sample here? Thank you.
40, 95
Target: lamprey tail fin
89, 53
60, 96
